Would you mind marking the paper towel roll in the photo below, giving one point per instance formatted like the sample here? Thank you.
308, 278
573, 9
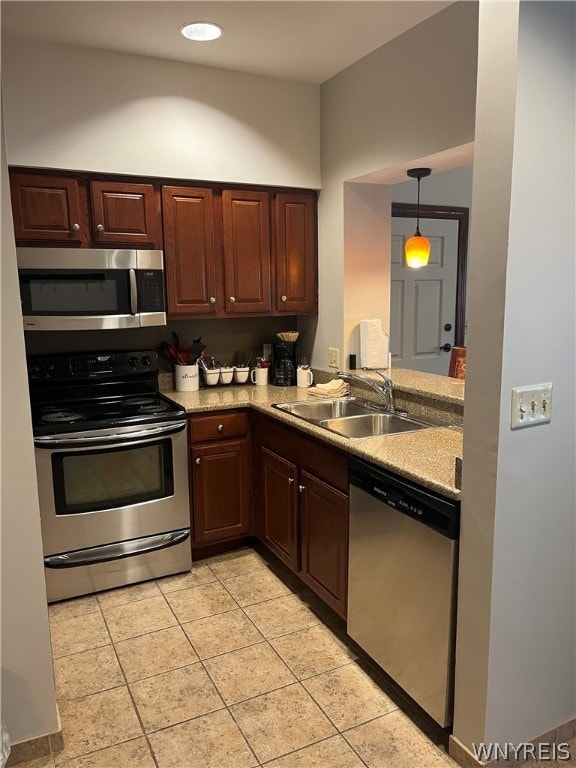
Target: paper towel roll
373, 344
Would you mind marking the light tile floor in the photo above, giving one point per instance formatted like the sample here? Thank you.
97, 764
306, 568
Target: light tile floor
233, 665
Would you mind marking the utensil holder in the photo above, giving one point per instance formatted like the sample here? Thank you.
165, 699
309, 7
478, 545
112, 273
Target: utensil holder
186, 378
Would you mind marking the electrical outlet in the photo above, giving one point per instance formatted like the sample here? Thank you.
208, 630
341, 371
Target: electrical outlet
531, 405
333, 357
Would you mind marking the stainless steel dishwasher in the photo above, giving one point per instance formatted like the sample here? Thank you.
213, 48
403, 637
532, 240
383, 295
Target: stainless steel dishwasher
402, 583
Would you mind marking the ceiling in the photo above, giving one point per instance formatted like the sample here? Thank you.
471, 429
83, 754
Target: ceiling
303, 40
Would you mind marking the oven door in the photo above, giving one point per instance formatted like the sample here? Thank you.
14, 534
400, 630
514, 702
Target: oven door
108, 486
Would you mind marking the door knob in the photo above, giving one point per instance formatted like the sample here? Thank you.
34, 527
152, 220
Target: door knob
75, 227
446, 347
232, 299
100, 227
198, 461
301, 488
290, 480
220, 427
284, 299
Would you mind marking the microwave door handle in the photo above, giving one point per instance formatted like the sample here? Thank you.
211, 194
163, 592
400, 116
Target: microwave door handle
133, 291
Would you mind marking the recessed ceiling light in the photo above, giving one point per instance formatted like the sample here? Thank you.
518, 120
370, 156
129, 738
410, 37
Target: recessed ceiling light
201, 31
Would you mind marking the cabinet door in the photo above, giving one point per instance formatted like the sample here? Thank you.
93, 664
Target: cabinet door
279, 510
220, 476
189, 251
48, 208
246, 236
124, 213
324, 532
295, 253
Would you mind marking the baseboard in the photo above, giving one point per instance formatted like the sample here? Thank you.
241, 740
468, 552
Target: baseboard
557, 736
39, 746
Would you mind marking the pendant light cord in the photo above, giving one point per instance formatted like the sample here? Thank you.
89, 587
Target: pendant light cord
418, 211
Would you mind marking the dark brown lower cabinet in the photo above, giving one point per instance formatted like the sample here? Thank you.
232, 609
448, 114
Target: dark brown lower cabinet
301, 515
220, 480
324, 540
279, 529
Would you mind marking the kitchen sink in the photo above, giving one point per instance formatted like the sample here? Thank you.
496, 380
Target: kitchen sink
351, 418
321, 410
372, 425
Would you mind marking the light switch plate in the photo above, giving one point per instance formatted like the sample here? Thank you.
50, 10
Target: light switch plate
333, 357
531, 405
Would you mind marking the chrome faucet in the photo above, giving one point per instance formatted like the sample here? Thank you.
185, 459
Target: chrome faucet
384, 389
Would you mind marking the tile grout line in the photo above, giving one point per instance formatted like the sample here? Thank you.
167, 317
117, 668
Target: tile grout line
266, 641
226, 707
134, 706
296, 681
319, 621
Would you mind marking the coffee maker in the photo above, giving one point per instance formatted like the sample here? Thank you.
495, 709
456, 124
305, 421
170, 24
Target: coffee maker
284, 355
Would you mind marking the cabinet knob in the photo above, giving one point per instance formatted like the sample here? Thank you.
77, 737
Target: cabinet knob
212, 300
284, 298
290, 480
75, 227
301, 488
198, 460
100, 227
232, 299
220, 427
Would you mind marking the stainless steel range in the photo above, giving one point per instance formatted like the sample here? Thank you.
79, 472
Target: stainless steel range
112, 468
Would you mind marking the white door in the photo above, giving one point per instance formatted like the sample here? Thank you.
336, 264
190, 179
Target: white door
423, 301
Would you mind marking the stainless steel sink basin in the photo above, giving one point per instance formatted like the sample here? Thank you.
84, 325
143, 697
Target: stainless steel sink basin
321, 410
351, 418
371, 425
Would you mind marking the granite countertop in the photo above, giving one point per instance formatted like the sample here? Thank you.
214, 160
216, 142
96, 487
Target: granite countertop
426, 456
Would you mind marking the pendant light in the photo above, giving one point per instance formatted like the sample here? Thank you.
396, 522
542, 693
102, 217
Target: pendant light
417, 249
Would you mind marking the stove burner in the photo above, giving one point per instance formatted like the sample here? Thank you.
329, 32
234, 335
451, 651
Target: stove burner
62, 416
132, 401
156, 408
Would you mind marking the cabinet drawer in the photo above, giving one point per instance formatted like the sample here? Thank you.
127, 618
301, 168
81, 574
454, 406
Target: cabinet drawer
218, 426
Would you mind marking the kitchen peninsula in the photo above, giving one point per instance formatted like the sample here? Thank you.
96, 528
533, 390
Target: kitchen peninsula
426, 456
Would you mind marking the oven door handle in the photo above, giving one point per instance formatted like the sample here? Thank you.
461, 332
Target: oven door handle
49, 441
108, 552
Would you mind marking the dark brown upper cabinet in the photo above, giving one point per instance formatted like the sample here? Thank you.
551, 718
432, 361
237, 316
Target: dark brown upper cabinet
124, 213
239, 252
72, 210
295, 253
190, 252
217, 249
247, 258
48, 208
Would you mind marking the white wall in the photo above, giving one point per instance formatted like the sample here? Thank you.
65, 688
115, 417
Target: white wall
411, 98
68, 107
452, 187
516, 664
28, 700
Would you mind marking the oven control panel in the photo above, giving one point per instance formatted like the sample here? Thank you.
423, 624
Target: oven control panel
92, 365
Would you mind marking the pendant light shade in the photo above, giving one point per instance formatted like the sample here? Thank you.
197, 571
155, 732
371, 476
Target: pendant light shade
417, 248
417, 251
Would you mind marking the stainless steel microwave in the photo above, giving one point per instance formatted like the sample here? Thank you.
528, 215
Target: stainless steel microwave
77, 289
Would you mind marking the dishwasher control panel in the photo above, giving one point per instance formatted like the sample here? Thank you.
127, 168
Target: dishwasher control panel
413, 500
